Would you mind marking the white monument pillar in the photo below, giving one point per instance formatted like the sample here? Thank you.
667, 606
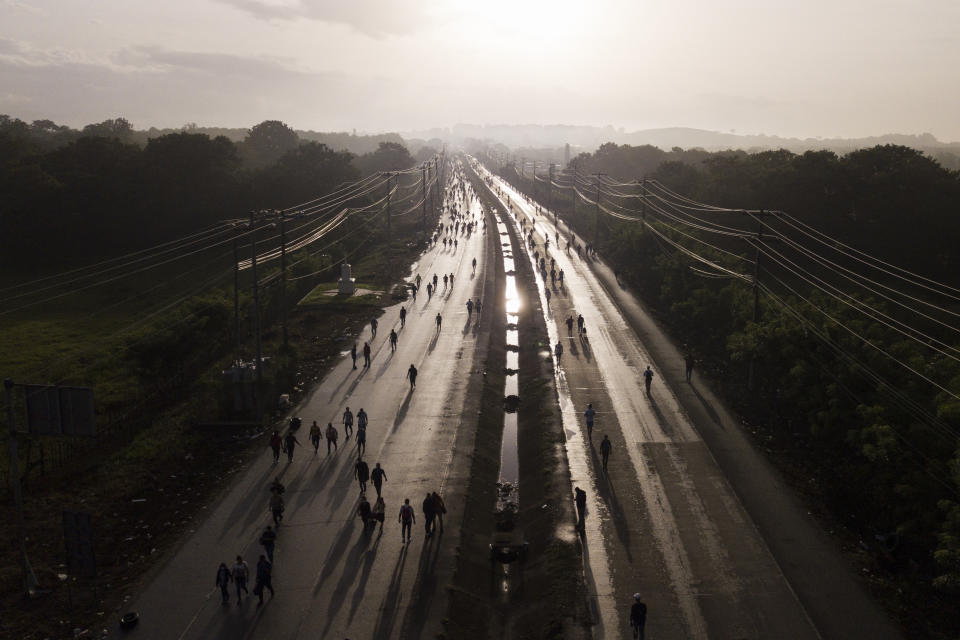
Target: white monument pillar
347, 285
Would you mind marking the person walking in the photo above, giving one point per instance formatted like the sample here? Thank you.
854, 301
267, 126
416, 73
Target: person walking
361, 441
363, 510
224, 578
688, 362
478, 306
412, 375
429, 291
445, 282
638, 617
418, 281
268, 540
331, 437
605, 447
241, 573
406, 519
347, 423
579, 324
428, 514
373, 328
589, 415
451, 276
276, 442
393, 340
403, 312
439, 321
264, 579
315, 436
647, 378
353, 354
439, 508
378, 475
569, 324
362, 473
558, 350
379, 512
469, 308
366, 354
289, 442
580, 498
276, 508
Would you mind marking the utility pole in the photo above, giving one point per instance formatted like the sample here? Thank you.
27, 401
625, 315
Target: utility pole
643, 202
423, 182
389, 175
236, 297
431, 190
596, 228
756, 286
283, 276
256, 314
550, 194
29, 579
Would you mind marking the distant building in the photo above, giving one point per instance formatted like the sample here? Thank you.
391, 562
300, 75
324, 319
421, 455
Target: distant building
566, 155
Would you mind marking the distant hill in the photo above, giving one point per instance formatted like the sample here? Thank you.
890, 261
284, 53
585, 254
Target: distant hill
587, 138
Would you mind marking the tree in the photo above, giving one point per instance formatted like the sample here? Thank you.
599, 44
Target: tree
389, 156
119, 128
267, 142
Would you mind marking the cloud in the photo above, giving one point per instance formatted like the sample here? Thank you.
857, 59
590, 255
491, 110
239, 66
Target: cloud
161, 87
375, 18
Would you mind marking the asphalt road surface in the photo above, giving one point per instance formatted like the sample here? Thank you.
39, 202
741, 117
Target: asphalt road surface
332, 580
665, 519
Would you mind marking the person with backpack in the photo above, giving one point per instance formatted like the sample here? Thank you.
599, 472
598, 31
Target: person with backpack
289, 442
264, 579
276, 442
268, 540
362, 473
241, 572
378, 475
224, 578
315, 436
331, 437
406, 519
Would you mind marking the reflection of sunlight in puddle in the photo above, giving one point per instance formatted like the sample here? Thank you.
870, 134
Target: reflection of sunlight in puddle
509, 462
513, 360
513, 337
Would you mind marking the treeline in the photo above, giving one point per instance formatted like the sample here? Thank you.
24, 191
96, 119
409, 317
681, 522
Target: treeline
70, 197
887, 200
876, 444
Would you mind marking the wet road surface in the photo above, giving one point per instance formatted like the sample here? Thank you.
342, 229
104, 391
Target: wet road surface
332, 580
663, 520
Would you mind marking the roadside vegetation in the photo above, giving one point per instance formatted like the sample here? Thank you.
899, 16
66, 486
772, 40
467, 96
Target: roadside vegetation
872, 447
153, 336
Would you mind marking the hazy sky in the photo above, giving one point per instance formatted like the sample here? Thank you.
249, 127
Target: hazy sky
798, 68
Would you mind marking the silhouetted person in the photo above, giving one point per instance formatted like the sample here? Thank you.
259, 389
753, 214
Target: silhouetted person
638, 617
688, 361
605, 447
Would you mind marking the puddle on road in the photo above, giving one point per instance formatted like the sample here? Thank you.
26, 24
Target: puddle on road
509, 458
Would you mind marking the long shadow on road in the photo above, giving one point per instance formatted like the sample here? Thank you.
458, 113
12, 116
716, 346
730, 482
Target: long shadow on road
250, 510
423, 591
608, 493
339, 593
391, 601
334, 554
365, 567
